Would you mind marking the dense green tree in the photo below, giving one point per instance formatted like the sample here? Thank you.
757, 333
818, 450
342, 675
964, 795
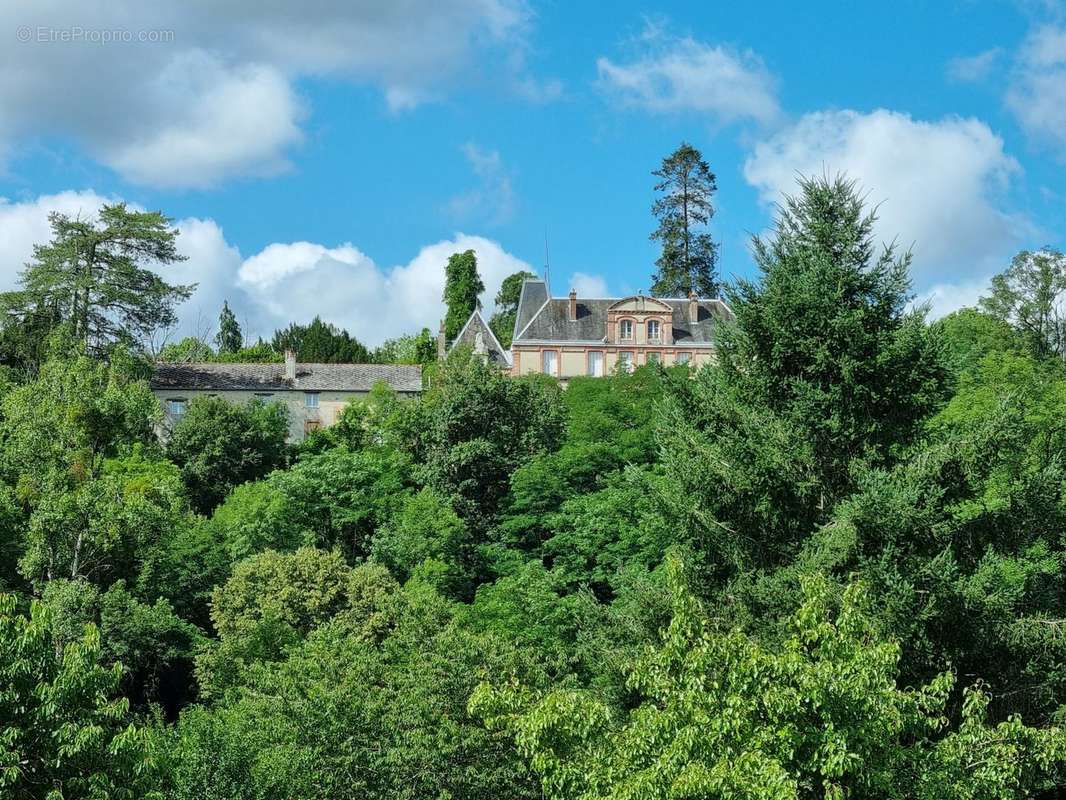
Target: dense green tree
152, 644
62, 426
188, 350
1029, 296
462, 287
219, 445
824, 368
427, 527
969, 335
98, 275
184, 566
65, 733
689, 256
334, 499
24, 338
503, 318
228, 338
475, 427
820, 715
419, 348
269, 603
320, 343
101, 528
367, 421
347, 716
960, 541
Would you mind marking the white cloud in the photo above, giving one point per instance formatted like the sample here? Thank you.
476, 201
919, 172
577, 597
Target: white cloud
938, 184
493, 199
970, 69
1037, 93
674, 74
225, 121
215, 97
283, 282
295, 281
587, 285
943, 298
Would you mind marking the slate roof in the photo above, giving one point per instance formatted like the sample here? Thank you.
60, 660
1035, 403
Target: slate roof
552, 322
271, 377
534, 294
468, 336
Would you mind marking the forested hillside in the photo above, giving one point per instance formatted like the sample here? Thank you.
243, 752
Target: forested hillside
831, 565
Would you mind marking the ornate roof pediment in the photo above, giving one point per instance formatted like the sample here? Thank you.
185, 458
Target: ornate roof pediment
640, 303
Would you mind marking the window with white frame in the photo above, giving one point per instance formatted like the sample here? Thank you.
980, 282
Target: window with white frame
653, 358
682, 358
595, 363
550, 362
177, 407
625, 361
625, 329
310, 399
654, 330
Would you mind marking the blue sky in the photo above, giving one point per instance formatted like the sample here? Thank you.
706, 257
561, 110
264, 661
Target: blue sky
326, 159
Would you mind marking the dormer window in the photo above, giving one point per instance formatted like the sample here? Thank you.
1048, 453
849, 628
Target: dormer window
625, 329
654, 330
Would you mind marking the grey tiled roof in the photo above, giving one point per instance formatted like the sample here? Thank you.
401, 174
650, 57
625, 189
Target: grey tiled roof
271, 377
533, 295
553, 323
468, 337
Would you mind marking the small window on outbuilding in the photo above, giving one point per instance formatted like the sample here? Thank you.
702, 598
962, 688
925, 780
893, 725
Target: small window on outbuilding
177, 407
310, 399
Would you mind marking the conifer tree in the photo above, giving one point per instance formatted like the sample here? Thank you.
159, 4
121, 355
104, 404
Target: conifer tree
689, 256
98, 276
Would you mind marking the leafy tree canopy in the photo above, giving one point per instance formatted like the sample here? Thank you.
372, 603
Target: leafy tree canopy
462, 287
503, 318
99, 276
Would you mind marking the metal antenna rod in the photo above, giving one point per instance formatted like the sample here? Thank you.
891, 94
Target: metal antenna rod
547, 263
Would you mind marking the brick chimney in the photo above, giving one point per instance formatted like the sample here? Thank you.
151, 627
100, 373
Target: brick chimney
693, 308
290, 365
442, 345
573, 305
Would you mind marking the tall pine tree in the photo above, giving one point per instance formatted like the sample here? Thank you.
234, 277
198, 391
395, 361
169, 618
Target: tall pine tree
689, 256
462, 285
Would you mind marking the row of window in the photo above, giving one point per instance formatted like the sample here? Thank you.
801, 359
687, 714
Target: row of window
550, 361
178, 406
654, 329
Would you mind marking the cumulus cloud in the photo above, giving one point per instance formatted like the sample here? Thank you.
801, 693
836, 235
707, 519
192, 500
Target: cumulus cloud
493, 199
969, 69
345, 286
1037, 92
283, 282
200, 92
680, 74
938, 184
